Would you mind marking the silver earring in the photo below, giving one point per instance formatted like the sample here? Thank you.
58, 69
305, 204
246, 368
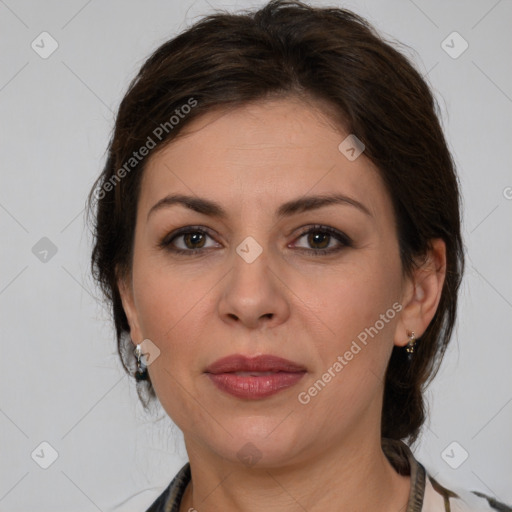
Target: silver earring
141, 373
410, 346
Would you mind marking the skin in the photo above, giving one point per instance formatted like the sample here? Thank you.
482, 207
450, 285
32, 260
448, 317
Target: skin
324, 455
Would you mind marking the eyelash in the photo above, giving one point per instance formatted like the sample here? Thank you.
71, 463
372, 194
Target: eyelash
344, 240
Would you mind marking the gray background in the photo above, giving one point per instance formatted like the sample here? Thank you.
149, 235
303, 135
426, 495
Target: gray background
61, 382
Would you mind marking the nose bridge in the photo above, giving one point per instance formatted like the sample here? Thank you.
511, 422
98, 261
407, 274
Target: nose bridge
253, 228
250, 267
252, 291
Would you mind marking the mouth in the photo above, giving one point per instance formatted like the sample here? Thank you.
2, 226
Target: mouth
253, 374
254, 377
265, 363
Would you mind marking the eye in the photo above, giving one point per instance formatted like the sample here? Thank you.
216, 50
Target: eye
192, 240
324, 240
188, 240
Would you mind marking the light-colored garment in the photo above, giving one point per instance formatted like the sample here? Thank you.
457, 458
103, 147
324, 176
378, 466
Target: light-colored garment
426, 494
462, 501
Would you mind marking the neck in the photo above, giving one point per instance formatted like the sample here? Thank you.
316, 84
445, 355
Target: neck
345, 478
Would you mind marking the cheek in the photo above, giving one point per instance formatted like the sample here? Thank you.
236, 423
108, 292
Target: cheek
173, 310
175, 307
168, 297
354, 312
352, 346
344, 303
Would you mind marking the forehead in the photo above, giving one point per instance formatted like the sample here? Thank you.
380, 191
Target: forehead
261, 154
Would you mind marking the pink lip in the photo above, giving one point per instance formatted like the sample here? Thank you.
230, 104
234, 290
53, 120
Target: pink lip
263, 363
284, 375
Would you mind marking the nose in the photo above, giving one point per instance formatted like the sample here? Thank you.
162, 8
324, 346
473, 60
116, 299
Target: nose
253, 295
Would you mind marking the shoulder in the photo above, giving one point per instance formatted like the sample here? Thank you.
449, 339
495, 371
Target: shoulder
438, 498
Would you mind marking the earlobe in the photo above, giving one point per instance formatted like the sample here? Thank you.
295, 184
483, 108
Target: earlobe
127, 299
422, 294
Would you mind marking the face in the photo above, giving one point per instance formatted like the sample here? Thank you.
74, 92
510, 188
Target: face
317, 283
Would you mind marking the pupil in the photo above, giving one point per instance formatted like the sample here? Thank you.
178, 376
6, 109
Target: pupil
195, 237
314, 239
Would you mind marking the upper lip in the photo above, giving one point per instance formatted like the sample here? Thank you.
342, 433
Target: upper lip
261, 363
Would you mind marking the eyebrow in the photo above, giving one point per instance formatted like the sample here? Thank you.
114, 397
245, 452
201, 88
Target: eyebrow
302, 204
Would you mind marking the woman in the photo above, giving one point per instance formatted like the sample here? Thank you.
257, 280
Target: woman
278, 231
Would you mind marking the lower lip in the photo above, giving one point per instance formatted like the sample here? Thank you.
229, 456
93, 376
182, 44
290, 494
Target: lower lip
255, 387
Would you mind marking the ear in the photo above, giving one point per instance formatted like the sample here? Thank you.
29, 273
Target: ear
124, 284
422, 293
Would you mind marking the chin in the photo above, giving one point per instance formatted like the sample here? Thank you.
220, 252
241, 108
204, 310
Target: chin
259, 444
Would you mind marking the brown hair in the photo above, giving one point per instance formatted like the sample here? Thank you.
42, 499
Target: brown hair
328, 54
